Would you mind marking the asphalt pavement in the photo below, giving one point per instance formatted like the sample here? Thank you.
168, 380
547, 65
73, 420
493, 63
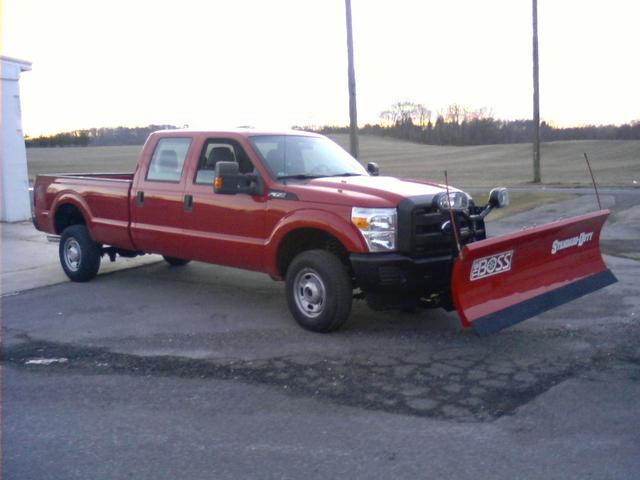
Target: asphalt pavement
152, 371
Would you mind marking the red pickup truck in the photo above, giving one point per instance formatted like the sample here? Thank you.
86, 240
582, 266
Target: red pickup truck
298, 207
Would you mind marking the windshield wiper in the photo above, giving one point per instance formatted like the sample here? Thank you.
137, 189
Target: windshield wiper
345, 174
299, 176
304, 176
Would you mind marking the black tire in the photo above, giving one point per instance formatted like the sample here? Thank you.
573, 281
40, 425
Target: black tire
319, 291
79, 254
175, 262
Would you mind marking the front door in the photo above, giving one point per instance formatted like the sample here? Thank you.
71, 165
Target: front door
219, 228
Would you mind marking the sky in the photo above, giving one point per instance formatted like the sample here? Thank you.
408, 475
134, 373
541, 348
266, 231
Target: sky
279, 63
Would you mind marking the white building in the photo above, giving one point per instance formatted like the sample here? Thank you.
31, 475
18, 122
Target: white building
14, 186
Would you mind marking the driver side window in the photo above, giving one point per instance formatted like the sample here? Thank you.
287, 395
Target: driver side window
215, 151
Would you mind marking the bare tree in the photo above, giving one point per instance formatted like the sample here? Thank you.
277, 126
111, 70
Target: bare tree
388, 116
455, 114
402, 113
423, 115
482, 113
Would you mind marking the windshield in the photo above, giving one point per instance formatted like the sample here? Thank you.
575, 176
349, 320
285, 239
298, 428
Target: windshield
299, 157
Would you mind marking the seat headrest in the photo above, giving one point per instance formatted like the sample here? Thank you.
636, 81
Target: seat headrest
221, 154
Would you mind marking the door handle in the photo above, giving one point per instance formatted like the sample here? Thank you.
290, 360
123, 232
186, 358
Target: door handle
140, 198
188, 203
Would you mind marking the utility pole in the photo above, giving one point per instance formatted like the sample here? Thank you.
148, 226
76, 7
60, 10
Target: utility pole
353, 113
537, 178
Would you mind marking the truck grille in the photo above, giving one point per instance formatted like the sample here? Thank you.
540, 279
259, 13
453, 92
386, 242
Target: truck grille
420, 229
427, 235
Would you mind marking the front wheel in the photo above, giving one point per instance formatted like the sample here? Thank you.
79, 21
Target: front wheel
319, 291
79, 254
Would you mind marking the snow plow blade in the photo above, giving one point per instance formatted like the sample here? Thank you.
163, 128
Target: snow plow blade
504, 280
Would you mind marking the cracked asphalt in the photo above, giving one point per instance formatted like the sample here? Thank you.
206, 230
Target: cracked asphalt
199, 372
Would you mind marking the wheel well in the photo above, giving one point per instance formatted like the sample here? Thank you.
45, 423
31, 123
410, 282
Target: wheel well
67, 215
308, 239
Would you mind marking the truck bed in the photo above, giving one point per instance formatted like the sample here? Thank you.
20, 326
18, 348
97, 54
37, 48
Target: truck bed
103, 198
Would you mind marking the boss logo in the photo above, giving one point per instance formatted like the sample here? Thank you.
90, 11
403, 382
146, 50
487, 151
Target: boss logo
492, 265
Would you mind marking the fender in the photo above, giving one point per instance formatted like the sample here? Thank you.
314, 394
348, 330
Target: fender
105, 214
72, 198
339, 227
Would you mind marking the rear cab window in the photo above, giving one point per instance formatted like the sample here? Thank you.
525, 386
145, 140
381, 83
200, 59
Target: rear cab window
167, 162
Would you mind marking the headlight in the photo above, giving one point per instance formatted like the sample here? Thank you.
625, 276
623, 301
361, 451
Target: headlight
458, 200
378, 227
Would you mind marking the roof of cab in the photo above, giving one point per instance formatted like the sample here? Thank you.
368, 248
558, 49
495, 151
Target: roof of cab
243, 132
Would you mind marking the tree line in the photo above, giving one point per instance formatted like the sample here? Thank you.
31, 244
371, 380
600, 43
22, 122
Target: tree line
455, 125
458, 125
97, 137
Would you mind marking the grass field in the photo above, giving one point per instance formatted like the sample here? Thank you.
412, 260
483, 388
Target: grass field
81, 159
615, 163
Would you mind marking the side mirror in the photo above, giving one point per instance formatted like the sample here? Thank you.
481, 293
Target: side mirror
229, 181
499, 198
373, 169
226, 179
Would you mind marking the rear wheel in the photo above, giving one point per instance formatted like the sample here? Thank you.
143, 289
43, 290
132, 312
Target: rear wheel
79, 254
175, 262
319, 291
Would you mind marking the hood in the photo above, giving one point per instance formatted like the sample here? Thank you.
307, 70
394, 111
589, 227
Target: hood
364, 191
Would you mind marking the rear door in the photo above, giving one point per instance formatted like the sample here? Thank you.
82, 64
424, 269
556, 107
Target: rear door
157, 212
219, 228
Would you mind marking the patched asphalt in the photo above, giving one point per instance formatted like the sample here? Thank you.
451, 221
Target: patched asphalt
462, 382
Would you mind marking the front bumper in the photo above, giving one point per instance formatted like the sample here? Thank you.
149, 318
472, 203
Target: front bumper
394, 273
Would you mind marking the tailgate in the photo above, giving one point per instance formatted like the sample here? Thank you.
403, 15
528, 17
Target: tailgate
504, 280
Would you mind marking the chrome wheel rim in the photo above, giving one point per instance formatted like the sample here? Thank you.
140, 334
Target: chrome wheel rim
310, 293
72, 254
